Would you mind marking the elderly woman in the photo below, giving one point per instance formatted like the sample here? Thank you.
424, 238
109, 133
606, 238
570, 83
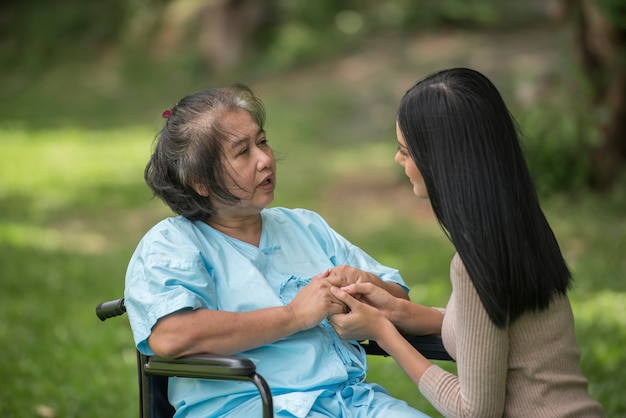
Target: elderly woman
230, 276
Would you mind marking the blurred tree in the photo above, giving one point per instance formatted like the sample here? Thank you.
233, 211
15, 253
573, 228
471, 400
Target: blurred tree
35, 34
227, 29
600, 42
219, 32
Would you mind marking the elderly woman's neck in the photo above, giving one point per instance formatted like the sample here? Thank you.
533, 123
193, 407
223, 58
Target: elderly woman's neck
244, 228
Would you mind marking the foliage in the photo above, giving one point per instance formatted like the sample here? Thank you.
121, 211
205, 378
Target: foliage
37, 33
554, 149
615, 11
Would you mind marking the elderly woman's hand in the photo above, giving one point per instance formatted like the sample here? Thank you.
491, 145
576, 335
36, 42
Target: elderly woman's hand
315, 302
345, 275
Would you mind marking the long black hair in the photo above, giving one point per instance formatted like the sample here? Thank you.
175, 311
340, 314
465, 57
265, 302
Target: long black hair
465, 143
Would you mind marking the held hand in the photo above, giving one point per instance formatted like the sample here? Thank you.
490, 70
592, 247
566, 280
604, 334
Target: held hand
363, 322
345, 275
374, 296
315, 302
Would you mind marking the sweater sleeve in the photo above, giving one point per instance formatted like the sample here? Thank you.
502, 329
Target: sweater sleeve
481, 354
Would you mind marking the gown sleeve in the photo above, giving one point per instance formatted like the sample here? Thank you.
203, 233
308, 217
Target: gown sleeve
166, 274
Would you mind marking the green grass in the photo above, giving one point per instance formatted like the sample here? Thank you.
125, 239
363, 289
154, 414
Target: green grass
73, 206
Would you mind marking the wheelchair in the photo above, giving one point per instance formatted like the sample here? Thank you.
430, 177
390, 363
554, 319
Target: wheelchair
153, 371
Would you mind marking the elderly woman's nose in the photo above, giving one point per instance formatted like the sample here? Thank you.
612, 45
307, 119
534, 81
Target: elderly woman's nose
265, 158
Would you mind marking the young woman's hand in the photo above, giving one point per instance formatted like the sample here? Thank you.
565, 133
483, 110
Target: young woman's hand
362, 322
374, 296
410, 317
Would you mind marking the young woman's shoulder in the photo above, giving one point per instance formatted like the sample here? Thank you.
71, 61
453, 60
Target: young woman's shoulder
459, 276
456, 265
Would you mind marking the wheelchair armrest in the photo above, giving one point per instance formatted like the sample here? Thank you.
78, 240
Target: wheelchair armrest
212, 366
203, 366
431, 347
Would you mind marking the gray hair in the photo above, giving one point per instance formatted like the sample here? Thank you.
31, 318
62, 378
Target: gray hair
189, 150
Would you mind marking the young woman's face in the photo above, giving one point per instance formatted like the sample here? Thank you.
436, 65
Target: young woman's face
249, 162
403, 158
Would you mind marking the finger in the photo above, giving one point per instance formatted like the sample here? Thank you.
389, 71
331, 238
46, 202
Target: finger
339, 308
332, 319
344, 297
336, 280
343, 308
361, 287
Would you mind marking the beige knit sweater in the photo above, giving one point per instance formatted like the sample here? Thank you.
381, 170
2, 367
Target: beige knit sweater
529, 369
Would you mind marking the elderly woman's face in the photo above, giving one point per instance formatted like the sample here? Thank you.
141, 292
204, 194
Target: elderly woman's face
249, 160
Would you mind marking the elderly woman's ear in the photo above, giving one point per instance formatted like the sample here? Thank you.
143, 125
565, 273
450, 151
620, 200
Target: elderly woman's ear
201, 189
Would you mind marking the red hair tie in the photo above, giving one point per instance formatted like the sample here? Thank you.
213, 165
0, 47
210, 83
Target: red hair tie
167, 113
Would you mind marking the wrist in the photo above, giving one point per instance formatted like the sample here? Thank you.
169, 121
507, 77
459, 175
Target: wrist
293, 322
386, 334
396, 313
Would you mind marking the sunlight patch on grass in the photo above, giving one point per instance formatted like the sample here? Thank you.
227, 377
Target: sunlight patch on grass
51, 178
58, 165
592, 319
21, 235
593, 309
601, 335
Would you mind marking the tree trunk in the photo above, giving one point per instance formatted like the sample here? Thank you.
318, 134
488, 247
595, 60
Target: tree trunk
601, 47
227, 28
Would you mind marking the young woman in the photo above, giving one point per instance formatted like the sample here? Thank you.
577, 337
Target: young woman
508, 323
229, 275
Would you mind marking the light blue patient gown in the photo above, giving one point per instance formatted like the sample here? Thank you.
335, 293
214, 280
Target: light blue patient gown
181, 264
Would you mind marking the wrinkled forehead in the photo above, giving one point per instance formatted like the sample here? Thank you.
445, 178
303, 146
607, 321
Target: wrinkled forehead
232, 125
227, 120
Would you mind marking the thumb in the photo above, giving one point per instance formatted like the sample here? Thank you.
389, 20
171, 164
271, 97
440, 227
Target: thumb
344, 297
